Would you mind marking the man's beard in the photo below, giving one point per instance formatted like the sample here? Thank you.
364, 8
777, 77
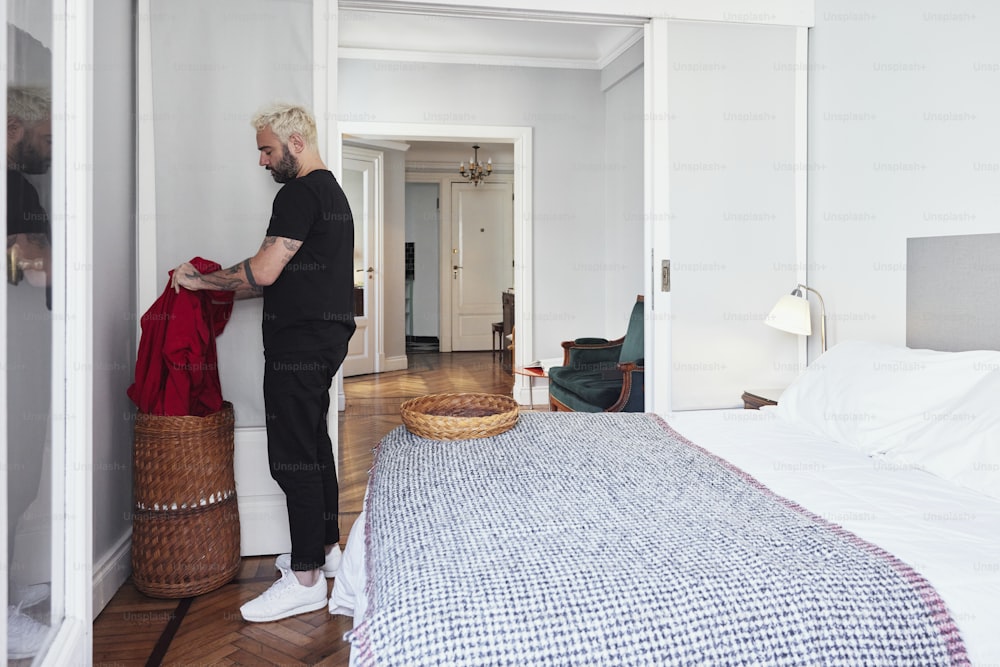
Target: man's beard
287, 167
30, 161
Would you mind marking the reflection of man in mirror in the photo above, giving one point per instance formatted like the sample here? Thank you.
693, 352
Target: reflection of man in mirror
29, 151
29, 336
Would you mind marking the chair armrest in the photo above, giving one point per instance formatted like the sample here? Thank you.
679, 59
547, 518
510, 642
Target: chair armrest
627, 367
632, 398
591, 351
593, 343
596, 356
630, 366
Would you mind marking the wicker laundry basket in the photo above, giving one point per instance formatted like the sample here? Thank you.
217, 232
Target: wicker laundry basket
186, 525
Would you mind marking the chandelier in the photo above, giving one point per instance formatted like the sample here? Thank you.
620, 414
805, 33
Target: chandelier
477, 171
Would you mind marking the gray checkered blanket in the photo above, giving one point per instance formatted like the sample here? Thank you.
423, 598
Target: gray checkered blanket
609, 539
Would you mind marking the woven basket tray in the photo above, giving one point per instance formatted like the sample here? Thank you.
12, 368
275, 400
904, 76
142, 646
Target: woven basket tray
459, 416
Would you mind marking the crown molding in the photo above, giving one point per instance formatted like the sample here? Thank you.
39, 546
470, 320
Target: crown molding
615, 53
377, 143
406, 58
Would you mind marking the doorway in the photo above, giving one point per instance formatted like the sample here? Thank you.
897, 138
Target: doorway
482, 261
423, 274
521, 211
460, 251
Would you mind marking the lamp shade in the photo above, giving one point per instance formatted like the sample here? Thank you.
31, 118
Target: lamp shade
791, 314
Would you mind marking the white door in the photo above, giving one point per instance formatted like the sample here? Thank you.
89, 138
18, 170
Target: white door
734, 228
362, 183
482, 260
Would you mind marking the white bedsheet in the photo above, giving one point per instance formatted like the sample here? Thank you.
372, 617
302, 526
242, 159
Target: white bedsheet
948, 534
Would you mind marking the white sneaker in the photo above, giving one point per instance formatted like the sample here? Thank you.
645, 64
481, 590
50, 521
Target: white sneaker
284, 562
286, 597
26, 597
25, 635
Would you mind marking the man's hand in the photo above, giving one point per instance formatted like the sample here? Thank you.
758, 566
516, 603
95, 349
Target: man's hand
186, 276
30, 256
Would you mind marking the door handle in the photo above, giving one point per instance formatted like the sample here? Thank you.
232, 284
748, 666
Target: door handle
454, 271
370, 271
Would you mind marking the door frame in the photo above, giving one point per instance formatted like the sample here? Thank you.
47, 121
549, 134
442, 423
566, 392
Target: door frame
375, 160
521, 138
72, 327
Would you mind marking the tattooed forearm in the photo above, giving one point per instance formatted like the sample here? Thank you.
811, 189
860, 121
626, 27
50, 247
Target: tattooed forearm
249, 276
40, 240
229, 280
215, 281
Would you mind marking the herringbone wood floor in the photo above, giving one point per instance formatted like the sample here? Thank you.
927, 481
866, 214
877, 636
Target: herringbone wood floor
208, 630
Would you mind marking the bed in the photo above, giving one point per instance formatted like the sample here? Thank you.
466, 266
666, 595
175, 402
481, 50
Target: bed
858, 522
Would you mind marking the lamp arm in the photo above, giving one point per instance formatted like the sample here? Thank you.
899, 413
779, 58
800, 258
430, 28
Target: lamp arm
822, 321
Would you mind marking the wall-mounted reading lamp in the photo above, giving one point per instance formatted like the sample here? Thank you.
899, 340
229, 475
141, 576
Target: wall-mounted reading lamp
792, 314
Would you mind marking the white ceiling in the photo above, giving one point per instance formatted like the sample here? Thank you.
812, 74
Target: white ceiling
382, 31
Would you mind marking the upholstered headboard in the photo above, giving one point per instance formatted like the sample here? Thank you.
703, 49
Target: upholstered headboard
953, 292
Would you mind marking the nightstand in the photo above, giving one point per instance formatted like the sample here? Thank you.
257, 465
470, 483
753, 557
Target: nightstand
755, 399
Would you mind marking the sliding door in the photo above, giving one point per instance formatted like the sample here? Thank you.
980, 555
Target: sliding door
736, 196
45, 482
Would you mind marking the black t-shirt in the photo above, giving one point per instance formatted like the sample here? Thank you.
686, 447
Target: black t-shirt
310, 306
26, 215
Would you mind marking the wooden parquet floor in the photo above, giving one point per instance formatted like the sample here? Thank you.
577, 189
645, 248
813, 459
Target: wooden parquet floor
208, 630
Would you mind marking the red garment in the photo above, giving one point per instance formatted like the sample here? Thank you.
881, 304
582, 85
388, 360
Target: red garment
177, 370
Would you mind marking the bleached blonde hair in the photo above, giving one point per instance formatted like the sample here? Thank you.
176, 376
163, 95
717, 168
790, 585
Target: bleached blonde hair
29, 104
285, 120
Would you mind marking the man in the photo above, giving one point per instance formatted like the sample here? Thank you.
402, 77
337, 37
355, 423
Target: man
304, 271
29, 336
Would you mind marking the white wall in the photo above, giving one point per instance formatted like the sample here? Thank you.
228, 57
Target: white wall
114, 292
566, 110
903, 143
212, 199
624, 218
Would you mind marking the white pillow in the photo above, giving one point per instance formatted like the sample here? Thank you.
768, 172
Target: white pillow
959, 440
873, 396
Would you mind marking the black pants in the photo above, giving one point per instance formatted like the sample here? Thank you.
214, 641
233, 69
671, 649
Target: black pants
300, 453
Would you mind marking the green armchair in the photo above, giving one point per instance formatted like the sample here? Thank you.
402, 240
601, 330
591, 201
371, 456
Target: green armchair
599, 375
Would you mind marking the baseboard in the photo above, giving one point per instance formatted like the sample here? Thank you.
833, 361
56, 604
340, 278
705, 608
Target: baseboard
111, 572
536, 397
395, 363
